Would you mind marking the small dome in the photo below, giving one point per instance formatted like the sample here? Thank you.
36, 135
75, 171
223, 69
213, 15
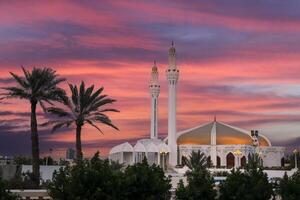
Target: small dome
225, 134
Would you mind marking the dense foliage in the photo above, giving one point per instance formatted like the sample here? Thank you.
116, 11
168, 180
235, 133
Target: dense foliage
289, 187
252, 184
98, 179
4, 194
142, 181
200, 184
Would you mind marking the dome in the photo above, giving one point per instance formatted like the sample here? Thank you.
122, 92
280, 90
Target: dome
225, 135
124, 147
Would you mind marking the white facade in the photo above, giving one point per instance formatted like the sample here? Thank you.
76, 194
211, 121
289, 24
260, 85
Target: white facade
224, 145
155, 150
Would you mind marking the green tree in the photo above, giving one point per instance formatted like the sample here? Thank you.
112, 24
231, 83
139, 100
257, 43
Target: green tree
4, 193
200, 183
146, 182
37, 87
83, 107
253, 184
289, 187
99, 179
88, 180
181, 191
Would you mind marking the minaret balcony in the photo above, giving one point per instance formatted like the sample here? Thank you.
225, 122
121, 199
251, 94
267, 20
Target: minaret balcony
172, 75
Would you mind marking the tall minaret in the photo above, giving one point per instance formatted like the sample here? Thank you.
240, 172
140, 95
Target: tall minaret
154, 92
172, 76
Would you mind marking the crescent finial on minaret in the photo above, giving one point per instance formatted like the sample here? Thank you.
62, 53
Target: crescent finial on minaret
172, 57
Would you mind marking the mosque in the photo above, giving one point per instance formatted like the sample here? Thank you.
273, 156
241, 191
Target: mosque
224, 145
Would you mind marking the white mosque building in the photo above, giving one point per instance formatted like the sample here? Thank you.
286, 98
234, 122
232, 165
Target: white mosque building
224, 145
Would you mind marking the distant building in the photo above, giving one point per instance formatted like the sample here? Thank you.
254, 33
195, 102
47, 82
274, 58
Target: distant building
5, 160
70, 154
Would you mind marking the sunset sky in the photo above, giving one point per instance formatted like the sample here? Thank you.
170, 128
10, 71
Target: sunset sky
238, 60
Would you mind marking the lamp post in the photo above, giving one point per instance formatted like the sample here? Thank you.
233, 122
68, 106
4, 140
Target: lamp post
296, 163
238, 153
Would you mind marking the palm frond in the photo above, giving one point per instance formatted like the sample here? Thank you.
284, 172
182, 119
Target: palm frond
101, 103
92, 124
109, 110
39, 84
19, 80
106, 120
16, 92
58, 112
26, 73
197, 160
57, 124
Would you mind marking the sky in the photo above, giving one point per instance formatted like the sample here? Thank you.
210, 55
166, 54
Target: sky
238, 60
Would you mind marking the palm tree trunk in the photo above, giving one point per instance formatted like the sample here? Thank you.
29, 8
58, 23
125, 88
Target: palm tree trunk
78, 143
35, 145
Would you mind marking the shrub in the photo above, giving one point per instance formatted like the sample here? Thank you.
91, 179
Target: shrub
200, 182
100, 179
4, 193
289, 187
253, 184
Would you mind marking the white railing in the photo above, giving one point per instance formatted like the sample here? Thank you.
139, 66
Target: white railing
32, 194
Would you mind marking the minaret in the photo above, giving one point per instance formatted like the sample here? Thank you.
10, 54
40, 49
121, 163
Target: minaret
213, 143
154, 92
172, 76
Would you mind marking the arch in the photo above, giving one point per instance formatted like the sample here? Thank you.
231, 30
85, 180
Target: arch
124, 147
230, 160
208, 161
243, 161
282, 162
151, 147
218, 162
139, 147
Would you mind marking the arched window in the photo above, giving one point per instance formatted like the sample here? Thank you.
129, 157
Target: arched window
282, 162
218, 162
243, 161
208, 160
183, 160
230, 160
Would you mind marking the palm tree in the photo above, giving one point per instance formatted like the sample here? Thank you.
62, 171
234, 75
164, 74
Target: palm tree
37, 87
197, 160
83, 107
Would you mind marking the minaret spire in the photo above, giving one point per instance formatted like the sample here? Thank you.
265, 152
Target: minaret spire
172, 74
154, 92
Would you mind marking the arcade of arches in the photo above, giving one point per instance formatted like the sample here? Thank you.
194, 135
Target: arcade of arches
231, 161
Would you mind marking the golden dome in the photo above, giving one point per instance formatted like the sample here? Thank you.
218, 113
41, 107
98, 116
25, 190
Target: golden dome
225, 135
